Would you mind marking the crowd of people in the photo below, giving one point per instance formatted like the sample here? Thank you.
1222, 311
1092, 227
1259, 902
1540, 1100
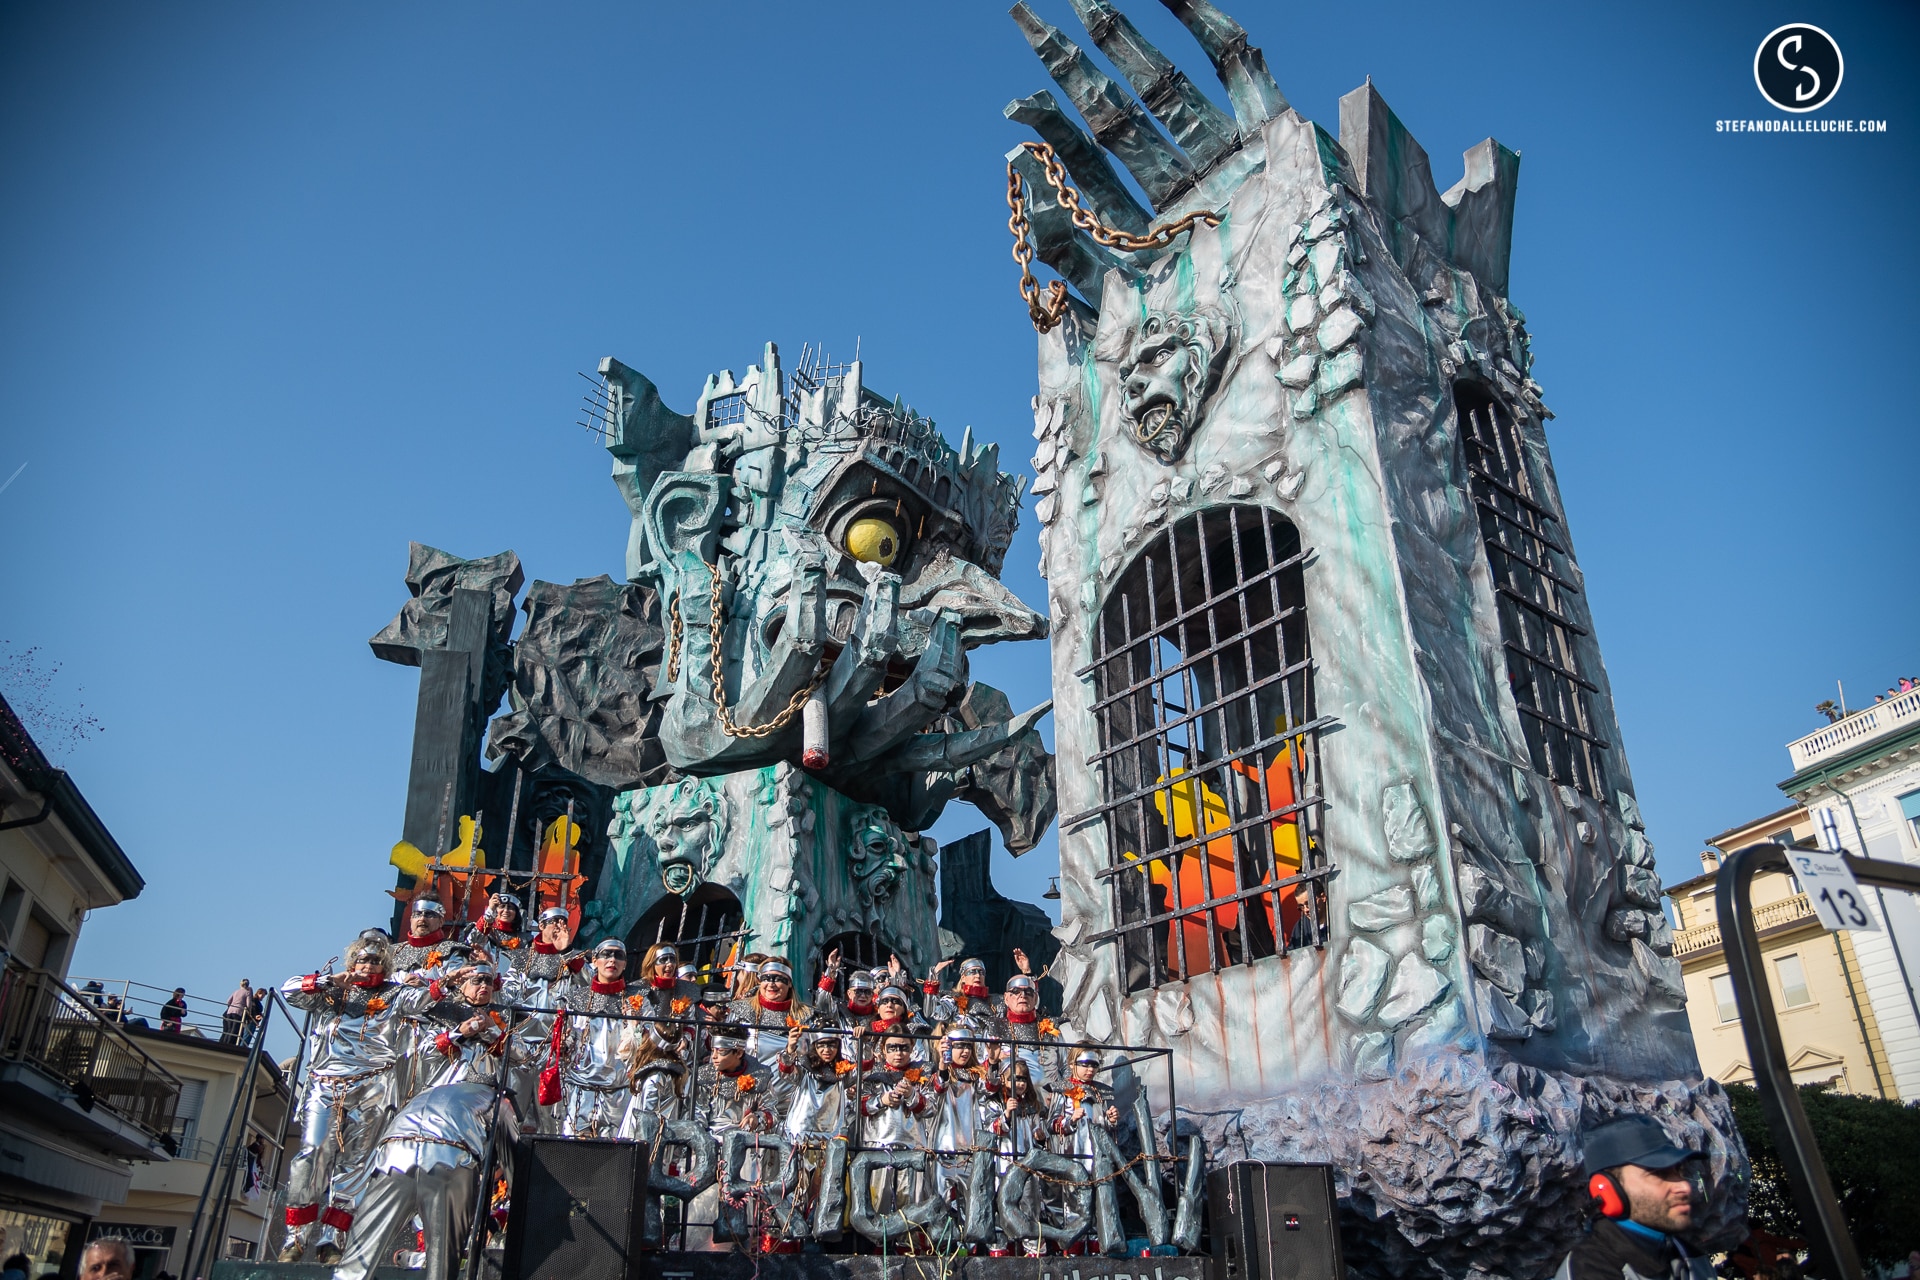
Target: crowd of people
430, 1053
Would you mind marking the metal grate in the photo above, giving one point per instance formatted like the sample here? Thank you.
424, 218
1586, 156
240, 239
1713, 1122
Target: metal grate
704, 931
857, 951
727, 411
1209, 749
1532, 582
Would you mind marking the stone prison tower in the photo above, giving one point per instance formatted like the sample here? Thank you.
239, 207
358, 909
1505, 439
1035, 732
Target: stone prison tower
1346, 819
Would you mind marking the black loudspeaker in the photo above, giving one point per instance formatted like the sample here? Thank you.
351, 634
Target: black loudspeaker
1274, 1222
576, 1212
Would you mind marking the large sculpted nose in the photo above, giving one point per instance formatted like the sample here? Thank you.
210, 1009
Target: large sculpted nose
988, 610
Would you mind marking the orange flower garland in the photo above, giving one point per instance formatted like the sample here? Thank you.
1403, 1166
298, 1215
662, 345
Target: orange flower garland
914, 1075
743, 1084
1046, 1027
376, 1005
433, 959
636, 1003
841, 1067
680, 1004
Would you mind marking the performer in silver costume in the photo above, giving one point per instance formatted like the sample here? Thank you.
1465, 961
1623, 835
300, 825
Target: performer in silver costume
1021, 1031
1082, 1104
769, 1012
1019, 1124
541, 984
818, 1083
666, 994
893, 1102
419, 956
655, 1054
498, 931
731, 1091
425, 1164
359, 1037
595, 1080
892, 1011
856, 1006
476, 1047
970, 998
963, 1097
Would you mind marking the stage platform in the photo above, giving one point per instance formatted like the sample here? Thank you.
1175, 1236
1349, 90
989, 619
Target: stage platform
806, 1266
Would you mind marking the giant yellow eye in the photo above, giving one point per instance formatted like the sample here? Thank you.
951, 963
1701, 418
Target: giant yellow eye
873, 540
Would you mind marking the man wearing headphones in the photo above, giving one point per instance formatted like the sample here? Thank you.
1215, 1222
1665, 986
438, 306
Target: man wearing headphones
1642, 1194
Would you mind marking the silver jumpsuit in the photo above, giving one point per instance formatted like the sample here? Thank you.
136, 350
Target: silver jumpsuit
425, 1164
594, 1077
360, 1036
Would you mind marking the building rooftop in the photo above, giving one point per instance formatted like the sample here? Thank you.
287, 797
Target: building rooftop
1868, 727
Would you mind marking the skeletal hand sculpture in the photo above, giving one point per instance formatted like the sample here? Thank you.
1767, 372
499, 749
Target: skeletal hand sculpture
811, 542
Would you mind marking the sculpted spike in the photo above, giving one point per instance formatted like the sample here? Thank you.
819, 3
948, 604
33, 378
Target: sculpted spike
1118, 122
1243, 69
1204, 131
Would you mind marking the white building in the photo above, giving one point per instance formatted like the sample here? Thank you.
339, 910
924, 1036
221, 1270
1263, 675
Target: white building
1859, 778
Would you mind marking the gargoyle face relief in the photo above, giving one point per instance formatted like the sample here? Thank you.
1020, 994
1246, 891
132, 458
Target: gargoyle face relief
1171, 367
876, 855
684, 836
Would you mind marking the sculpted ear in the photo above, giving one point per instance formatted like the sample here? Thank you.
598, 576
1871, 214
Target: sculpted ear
684, 510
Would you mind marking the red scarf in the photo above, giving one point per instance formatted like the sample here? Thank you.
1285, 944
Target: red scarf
618, 987
664, 984
884, 1025
774, 1006
859, 1010
976, 989
1022, 1017
369, 984
542, 949
427, 940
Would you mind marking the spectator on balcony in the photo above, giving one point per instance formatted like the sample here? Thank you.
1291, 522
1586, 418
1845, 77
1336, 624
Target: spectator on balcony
239, 1005
174, 1011
94, 992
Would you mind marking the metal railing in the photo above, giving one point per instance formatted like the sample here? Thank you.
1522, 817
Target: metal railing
1856, 728
1773, 915
138, 1004
1833, 1252
47, 1024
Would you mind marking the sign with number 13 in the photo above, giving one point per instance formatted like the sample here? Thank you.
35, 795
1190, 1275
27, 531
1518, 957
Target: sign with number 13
1836, 895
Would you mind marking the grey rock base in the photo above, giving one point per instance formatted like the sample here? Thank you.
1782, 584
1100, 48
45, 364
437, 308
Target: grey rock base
1450, 1169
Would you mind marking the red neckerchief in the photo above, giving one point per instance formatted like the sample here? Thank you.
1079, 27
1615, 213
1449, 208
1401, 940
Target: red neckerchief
859, 1010
368, 984
428, 939
542, 949
774, 1006
1022, 1017
886, 1024
617, 987
975, 990
664, 984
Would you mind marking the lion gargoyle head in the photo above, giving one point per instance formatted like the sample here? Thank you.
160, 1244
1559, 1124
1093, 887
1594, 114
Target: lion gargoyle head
685, 826
1170, 368
876, 854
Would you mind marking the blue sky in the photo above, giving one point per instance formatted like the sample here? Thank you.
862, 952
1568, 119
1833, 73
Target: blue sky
284, 286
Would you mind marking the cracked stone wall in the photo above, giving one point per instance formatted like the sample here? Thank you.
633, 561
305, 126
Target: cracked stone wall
1494, 935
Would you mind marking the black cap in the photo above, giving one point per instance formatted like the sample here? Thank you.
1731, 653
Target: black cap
1632, 1140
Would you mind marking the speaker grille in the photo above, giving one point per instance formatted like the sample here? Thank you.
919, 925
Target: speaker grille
576, 1210
1275, 1222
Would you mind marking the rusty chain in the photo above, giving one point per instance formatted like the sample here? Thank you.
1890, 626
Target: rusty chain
716, 630
1049, 312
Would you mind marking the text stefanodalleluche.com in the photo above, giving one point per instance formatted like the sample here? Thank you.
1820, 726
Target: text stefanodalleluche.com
1799, 126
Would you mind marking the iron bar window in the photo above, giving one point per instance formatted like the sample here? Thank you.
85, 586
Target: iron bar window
1533, 580
1208, 752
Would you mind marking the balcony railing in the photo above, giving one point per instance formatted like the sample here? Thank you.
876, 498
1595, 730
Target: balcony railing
1774, 915
44, 1023
1876, 721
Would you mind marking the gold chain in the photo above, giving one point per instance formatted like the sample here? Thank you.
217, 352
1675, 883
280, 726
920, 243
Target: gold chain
674, 630
1049, 312
716, 631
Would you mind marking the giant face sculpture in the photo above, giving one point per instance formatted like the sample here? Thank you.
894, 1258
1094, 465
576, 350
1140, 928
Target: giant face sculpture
684, 827
876, 855
1171, 365
816, 542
